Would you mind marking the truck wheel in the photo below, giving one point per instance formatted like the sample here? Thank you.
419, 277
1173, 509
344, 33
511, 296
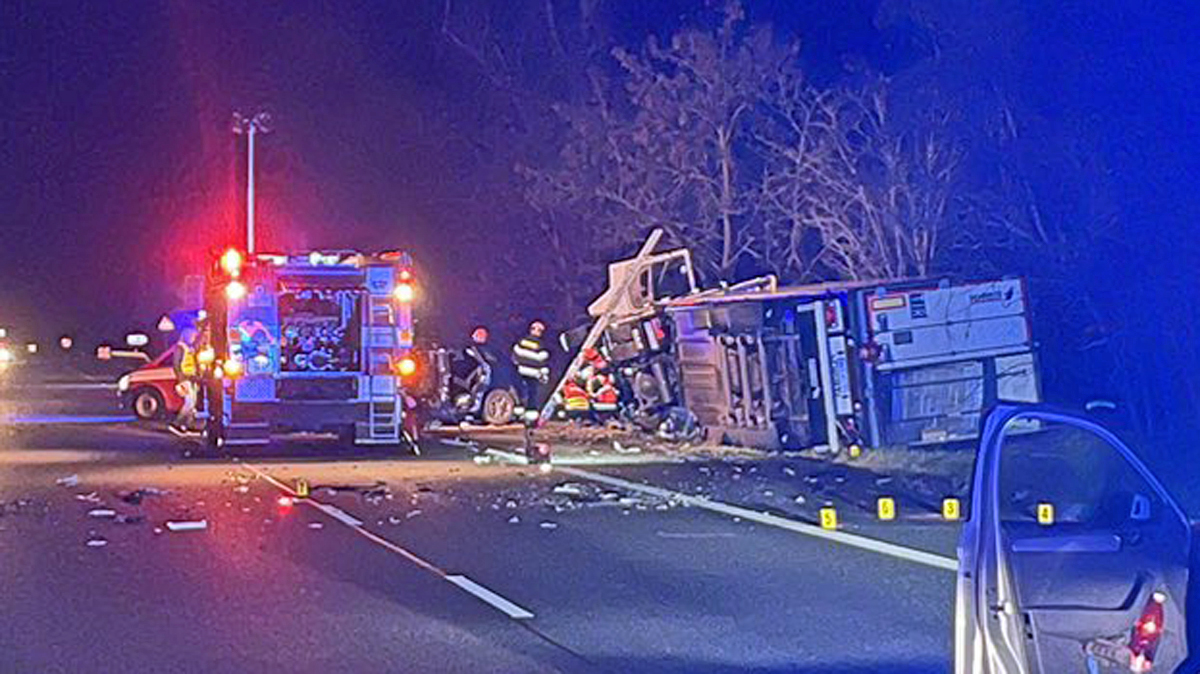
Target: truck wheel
147, 404
498, 407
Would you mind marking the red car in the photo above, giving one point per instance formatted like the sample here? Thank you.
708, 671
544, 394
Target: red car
149, 391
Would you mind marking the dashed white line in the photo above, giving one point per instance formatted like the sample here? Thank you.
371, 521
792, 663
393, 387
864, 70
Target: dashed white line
462, 582
512, 610
338, 514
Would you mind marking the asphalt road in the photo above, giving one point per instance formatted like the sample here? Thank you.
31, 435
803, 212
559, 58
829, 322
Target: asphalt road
432, 564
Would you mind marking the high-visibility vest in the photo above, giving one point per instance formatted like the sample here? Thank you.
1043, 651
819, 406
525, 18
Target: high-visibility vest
532, 360
604, 395
187, 362
575, 398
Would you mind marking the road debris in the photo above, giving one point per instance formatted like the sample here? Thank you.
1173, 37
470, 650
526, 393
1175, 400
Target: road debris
102, 513
547, 524
569, 489
129, 519
96, 542
412, 513
187, 525
316, 525
68, 481
136, 496
242, 488
514, 520
92, 497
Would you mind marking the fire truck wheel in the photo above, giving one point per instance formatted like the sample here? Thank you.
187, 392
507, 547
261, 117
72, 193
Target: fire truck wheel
498, 407
147, 404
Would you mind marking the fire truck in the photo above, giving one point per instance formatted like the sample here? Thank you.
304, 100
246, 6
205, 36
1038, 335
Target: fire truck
312, 342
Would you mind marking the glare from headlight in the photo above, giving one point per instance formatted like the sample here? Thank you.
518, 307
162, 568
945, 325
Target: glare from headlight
123, 383
6, 355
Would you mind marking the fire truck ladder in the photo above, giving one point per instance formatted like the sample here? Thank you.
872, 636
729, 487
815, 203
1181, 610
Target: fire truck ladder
384, 411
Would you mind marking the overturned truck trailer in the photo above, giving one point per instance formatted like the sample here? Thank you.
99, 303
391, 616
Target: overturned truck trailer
870, 363
825, 366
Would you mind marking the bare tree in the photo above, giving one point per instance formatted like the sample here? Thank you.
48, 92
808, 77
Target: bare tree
872, 195
664, 145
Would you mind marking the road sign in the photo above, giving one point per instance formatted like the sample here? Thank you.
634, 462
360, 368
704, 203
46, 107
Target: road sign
951, 509
886, 508
829, 519
165, 324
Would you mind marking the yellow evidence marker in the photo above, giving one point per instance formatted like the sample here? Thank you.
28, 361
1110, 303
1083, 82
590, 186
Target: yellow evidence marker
886, 508
829, 518
951, 509
302, 488
1045, 514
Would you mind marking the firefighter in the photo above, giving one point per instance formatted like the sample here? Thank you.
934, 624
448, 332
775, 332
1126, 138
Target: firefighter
187, 375
576, 403
533, 365
603, 394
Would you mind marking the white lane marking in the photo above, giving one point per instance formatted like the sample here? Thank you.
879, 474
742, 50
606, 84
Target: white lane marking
48, 419
69, 386
585, 460
462, 582
337, 514
695, 534
512, 610
853, 540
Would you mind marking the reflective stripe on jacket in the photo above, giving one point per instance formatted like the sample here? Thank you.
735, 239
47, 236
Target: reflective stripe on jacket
531, 358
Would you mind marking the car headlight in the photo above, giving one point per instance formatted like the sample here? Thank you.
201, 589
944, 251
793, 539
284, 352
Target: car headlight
123, 383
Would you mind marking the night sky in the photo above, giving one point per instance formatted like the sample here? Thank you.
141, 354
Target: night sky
118, 170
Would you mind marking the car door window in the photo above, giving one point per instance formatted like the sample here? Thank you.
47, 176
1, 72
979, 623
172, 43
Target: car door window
1058, 475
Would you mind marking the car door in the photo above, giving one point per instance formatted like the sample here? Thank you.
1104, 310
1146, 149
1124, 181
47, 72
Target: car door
1073, 559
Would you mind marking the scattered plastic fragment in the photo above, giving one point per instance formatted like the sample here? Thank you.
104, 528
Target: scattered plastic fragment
242, 488
187, 525
102, 513
514, 520
412, 513
97, 542
316, 525
68, 481
547, 524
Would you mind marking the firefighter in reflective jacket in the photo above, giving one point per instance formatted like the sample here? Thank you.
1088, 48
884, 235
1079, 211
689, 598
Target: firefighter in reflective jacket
603, 394
533, 365
576, 403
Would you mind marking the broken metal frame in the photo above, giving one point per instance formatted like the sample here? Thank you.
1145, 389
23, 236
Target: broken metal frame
607, 306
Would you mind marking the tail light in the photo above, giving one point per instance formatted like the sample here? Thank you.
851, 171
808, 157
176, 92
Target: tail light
1147, 632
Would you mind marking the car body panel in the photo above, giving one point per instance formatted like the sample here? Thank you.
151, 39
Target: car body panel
158, 374
1037, 598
